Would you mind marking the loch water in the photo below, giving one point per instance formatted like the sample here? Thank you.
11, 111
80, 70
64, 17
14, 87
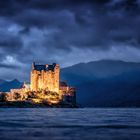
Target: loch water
69, 124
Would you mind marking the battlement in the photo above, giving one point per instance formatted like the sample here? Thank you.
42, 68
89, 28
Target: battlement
45, 67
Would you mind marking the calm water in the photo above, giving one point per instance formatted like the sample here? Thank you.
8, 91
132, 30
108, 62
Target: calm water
69, 124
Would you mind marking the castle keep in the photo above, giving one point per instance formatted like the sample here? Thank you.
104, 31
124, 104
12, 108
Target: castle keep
45, 77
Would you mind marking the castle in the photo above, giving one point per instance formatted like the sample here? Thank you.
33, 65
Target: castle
44, 84
45, 77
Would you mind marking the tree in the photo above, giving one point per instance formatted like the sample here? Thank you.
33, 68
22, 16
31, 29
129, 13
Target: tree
3, 97
17, 96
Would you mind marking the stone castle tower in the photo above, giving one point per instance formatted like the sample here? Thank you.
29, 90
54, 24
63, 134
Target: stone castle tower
45, 77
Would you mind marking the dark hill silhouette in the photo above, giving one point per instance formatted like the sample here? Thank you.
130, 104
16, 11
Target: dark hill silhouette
2, 81
7, 85
105, 83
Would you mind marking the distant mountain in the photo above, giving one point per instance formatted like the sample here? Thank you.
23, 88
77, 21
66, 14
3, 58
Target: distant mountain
2, 81
5, 86
97, 69
105, 83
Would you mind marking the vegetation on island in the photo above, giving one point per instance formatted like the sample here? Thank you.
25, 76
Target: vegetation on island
39, 98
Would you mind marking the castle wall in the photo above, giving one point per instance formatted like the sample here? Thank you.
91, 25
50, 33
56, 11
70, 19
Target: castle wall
34, 80
45, 79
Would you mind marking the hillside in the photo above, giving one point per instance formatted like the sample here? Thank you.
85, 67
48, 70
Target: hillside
105, 83
5, 86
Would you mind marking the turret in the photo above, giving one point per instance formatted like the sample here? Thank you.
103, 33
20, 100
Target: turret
47, 66
33, 65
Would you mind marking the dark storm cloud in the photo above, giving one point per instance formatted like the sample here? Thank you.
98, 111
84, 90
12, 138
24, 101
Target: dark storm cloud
8, 66
10, 42
52, 30
12, 7
89, 23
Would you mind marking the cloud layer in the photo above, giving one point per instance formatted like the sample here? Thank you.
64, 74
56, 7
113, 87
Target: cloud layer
66, 32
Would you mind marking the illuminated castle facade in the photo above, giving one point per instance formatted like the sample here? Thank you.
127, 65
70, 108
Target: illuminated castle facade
45, 77
44, 85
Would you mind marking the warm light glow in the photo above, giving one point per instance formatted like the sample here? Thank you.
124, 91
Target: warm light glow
44, 88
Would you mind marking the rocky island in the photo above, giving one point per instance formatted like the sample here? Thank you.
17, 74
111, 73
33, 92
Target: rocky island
44, 90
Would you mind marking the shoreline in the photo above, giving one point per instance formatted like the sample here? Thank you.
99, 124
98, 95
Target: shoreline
26, 104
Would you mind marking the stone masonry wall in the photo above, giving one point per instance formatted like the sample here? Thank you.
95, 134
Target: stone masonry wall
45, 79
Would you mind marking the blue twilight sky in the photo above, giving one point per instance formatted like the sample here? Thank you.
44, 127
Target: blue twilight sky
66, 32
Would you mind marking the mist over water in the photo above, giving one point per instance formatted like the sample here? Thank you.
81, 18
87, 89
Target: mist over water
75, 124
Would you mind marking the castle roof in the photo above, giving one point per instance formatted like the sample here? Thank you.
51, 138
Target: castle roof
39, 67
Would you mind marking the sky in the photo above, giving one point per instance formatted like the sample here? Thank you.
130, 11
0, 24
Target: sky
66, 32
